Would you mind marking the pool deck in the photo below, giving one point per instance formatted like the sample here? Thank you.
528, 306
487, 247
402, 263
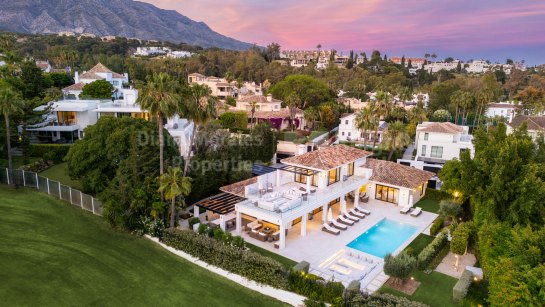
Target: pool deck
318, 247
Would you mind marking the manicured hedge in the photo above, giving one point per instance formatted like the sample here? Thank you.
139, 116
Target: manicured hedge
314, 288
53, 152
430, 251
382, 300
437, 195
239, 261
436, 226
459, 291
237, 120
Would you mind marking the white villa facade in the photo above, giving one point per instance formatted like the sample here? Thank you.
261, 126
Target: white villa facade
98, 72
314, 182
507, 110
349, 132
219, 86
535, 124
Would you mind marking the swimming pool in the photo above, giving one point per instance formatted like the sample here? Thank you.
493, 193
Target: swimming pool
382, 238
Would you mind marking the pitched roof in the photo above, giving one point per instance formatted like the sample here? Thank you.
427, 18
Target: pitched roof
75, 87
118, 76
99, 68
282, 113
397, 174
447, 127
257, 98
237, 188
503, 105
327, 158
90, 75
42, 64
534, 122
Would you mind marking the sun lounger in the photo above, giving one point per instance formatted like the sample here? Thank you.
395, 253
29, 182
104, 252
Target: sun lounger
416, 212
345, 221
356, 213
405, 210
338, 225
329, 229
362, 210
352, 218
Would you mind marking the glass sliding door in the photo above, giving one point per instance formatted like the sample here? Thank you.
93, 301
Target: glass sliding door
387, 194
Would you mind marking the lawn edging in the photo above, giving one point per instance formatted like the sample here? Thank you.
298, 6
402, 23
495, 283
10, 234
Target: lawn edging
281, 295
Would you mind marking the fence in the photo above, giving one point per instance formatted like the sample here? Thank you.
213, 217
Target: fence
51, 187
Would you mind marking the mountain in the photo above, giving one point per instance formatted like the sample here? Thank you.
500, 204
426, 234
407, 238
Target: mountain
124, 18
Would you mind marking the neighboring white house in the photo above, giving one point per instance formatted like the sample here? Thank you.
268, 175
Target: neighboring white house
506, 109
99, 72
179, 54
441, 142
535, 124
478, 67
350, 133
219, 86
437, 66
262, 103
312, 183
44, 66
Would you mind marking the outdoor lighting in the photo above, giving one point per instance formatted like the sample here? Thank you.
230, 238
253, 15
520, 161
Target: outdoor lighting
475, 278
412, 278
456, 194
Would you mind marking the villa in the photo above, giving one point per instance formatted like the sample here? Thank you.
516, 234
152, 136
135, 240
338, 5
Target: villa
348, 131
98, 72
220, 87
268, 109
507, 110
536, 125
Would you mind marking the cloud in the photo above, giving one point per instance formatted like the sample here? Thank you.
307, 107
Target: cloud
390, 25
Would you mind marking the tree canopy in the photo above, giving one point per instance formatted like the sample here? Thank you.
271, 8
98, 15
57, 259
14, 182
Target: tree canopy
100, 89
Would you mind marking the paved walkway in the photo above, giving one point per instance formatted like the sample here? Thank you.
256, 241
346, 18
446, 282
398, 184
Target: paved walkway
447, 265
408, 154
376, 283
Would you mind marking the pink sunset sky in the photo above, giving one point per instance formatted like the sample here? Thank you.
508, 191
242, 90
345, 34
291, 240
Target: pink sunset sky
490, 29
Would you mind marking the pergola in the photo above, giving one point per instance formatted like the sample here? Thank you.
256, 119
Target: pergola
222, 204
299, 170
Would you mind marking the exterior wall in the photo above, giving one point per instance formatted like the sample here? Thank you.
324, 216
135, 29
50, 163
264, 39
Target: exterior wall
451, 144
406, 197
507, 112
348, 130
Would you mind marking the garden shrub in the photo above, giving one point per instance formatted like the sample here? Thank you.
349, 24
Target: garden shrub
37, 166
234, 120
242, 262
460, 237
459, 291
192, 221
436, 226
52, 152
203, 229
302, 266
307, 285
437, 195
431, 250
381, 300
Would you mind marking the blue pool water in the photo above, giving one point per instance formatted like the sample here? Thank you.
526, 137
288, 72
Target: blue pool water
383, 238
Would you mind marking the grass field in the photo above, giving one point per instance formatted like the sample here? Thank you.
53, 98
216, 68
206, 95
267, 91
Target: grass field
419, 243
56, 254
435, 289
428, 204
59, 173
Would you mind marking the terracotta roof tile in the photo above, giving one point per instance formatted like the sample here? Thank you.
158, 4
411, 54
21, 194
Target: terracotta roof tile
282, 113
397, 174
90, 75
449, 128
534, 122
327, 158
74, 87
257, 98
237, 188
99, 68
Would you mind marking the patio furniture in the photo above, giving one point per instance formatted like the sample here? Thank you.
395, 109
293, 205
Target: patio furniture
345, 221
352, 218
276, 236
416, 212
255, 225
362, 210
356, 213
338, 225
267, 230
269, 187
305, 196
329, 229
405, 209
261, 237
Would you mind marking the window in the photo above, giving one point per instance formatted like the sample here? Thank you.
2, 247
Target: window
387, 194
303, 179
426, 136
423, 153
348, 133
421, 189
351, 169
66, 117
437, 151
300, 178
346, 122
342, 133
333, 176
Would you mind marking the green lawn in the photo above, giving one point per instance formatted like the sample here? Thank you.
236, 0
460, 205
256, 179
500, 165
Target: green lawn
59, 173
428, 204
419, 243
56, 254
286, 262
435, 289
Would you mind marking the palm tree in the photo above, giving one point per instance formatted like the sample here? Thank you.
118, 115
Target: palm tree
292, 101
396, 137
159, 97
310, 115
200, 107
457, 100
365, 121
253, 106
10, 103
173, 184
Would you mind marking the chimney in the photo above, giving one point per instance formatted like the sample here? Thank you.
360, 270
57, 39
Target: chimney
76, 78
269, 97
